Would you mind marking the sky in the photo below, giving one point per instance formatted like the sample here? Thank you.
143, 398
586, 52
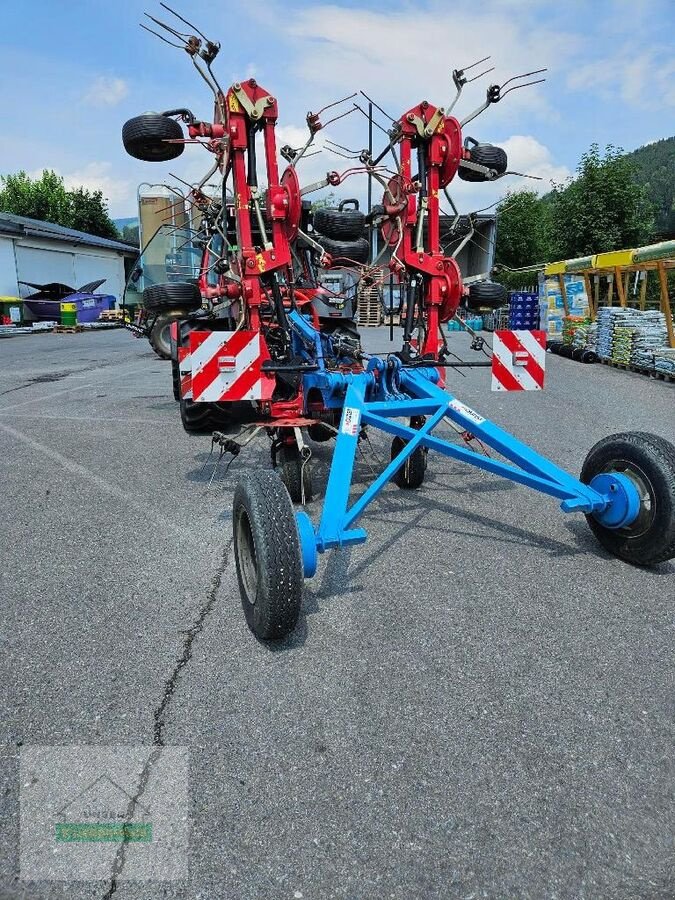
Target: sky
72, 73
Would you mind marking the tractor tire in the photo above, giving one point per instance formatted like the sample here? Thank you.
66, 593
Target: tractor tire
147, 137
486, 293
294, 474
411, 474
183, 295
160, 332
649, 461
484, 155
342, 252
196, 418
343, 225
267, 555
589, 356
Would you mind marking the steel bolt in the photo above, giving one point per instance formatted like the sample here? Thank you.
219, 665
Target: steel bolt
250, 263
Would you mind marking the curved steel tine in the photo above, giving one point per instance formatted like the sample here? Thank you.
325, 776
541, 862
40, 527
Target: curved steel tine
341, 116
162, 38
185, 21
476, 77
516, 86
524, 75
473, 65
178, 34
377, 106
336, 103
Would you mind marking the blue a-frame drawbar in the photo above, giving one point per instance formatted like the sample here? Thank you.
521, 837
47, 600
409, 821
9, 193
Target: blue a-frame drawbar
412, 392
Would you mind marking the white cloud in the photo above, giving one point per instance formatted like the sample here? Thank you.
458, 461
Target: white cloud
106, 91
400, 57
525, 154
639, 79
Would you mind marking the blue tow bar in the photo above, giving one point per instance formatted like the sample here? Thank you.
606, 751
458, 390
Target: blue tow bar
388, 391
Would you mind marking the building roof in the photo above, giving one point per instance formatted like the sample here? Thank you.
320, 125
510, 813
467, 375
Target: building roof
20, 226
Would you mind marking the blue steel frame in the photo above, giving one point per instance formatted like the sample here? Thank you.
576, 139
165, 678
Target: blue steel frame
387, 391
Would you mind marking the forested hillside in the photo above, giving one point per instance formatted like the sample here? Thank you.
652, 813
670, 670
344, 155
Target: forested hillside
655, 168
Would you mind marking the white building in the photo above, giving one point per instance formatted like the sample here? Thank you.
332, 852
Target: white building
41, 252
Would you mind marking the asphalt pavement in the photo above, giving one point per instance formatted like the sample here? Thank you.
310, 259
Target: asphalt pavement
477, 703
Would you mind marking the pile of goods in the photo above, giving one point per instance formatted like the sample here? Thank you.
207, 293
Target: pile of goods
585, 336
664, 361
632, 337
570, 326
523, 311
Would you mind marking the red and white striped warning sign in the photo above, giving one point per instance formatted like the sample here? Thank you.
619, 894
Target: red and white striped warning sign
227, 365
518, 360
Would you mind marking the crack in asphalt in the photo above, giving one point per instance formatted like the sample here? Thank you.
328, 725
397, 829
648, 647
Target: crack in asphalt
170, 686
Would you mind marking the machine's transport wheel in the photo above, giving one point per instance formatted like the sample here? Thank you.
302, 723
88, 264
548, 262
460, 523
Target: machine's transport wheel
554, 346
577, 353
589, 356
343, 225
320, 432
649, 461
345, 251
411, 474
148, 137
160, 333
484, 155
295, 473
182, 295
486, 293
267, 555
566, 351
197, 418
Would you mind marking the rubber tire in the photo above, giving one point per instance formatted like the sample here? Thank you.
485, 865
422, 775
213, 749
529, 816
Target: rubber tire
145, 137
554, 347
411, 474
173, 295
159, 337
289, 468
320, 433
486, 293
264, 526
577, 353
655, 458
343, 225
566, 351
589, 356
484, 155
196, 418
345, 251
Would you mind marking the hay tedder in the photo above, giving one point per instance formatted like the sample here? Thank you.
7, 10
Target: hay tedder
276, 346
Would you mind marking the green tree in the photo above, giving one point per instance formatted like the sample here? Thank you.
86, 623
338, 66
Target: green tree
603, 208
47, 199
130, 233
522, 237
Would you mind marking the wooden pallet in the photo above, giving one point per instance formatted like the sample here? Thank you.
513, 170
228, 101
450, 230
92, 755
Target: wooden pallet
111, 315
370, 306
68, 329
639, 370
